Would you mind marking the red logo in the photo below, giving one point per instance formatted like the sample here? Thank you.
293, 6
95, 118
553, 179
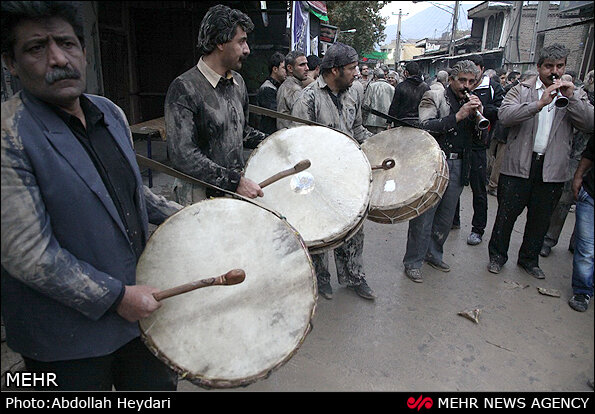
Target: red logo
420, 403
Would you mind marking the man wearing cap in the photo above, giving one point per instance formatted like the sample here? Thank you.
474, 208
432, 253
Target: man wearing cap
331, 101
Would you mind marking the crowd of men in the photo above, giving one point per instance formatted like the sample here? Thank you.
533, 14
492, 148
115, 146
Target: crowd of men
75, 212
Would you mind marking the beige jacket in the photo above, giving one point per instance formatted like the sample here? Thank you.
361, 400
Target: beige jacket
519, 112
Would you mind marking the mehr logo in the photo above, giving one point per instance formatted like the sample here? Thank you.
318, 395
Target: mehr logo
420, 403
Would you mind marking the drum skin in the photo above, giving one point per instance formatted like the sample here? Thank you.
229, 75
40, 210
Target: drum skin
417, 181
228, 336
333, 203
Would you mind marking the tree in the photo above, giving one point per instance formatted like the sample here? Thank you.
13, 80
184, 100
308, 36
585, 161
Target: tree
364, 16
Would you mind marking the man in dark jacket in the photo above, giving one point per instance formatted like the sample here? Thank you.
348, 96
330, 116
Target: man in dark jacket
408, 95
266, 97
491, 94
449, 118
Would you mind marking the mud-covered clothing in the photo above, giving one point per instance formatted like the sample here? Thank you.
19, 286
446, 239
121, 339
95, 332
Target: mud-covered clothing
378, 96
343, 111
532, 179
428, 232
437, 115
287, 94
407, 97
266, 97
519, 112
206, 120
66, 253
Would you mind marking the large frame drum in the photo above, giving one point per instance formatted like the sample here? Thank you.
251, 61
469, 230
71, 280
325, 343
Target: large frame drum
328, 202
416, 182
228, 336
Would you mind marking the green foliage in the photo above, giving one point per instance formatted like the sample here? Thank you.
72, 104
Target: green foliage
364, 16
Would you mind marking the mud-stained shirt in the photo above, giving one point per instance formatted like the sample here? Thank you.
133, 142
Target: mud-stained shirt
206, 120
342, 112
288, 93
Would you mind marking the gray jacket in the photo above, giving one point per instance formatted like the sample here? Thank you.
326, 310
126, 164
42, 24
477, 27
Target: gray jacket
518, 111
288, 93
316, 104
207, 129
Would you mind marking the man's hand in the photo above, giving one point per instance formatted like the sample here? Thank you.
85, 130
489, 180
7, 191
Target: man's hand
566, 86
249, 188
577, 183
469, 108
138, 302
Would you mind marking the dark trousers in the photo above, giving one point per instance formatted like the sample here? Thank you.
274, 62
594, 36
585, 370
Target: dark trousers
130, 368
477, 181
514, 194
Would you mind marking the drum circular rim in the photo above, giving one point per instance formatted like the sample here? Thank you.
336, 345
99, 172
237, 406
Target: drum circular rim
322, 245
212, 382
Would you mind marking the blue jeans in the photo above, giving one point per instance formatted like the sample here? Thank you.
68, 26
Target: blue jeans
582, 263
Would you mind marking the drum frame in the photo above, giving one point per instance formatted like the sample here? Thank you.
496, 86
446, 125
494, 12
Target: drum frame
208, 382
420, 205
324, 245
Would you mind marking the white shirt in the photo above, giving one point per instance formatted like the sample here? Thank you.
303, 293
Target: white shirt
544, 125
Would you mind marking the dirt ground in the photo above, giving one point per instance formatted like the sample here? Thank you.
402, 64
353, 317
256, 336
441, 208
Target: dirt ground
411, 337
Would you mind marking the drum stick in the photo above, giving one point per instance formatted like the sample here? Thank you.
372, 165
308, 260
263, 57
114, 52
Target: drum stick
233, 277
300, 166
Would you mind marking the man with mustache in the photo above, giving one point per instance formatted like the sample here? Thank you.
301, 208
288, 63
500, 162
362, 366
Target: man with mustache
331, 101
75, 215
450, 117
206, 111
535, 165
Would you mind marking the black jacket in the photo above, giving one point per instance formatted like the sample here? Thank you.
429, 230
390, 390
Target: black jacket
491, 96
407, 97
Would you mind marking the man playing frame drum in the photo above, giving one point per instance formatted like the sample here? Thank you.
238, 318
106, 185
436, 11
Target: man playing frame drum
331, 101
212, 92
451, 120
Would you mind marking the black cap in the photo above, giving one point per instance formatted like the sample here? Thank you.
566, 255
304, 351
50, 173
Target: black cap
338, 55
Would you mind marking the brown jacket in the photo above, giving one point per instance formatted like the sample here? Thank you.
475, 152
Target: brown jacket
519, 112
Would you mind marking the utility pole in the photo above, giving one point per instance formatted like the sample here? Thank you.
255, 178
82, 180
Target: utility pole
540, 25
398, 40
455, 21
512, 53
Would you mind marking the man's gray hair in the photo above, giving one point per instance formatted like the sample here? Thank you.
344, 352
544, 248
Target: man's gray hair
464, 66
555, 51
442, 76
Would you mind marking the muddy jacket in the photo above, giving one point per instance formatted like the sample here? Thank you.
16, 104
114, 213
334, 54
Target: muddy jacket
519, 112
378, 96
287, 94
206, 120
315, 104
65, 252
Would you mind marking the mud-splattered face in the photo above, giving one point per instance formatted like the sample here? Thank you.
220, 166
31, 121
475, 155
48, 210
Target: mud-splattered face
236, 51
49, 60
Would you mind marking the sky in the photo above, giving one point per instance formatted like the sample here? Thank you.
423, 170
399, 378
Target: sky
412, 8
